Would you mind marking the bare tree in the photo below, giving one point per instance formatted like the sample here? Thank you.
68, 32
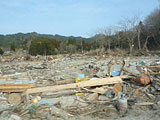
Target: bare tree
145, 48
82, 49
106, 34
71, 48
139, 30
100, 40
62, 47
119, 39
128, 26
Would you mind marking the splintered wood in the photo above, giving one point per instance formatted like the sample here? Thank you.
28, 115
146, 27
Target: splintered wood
125, 65
96, 82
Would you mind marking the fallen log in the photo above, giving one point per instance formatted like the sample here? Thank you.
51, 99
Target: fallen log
96, 82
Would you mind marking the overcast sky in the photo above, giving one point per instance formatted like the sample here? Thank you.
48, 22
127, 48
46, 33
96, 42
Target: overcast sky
68, 17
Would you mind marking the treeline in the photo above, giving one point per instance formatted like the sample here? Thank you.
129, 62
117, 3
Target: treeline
46, 46
132, 34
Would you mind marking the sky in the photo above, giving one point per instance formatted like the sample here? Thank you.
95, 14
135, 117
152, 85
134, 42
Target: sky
69, 17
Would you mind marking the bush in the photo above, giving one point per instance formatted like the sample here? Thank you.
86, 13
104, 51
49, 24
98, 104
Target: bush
12, 47
99, 51
1, 51
117, 51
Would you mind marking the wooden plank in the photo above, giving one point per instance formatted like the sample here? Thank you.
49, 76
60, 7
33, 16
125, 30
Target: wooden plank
64, 82
96, 82
127, 77
14, 77
100, 90
15, 86
144, 103
12, 90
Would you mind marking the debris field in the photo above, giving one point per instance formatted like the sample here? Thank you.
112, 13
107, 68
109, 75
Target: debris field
71, 87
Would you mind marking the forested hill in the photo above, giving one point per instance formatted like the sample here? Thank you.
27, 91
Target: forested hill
22, 38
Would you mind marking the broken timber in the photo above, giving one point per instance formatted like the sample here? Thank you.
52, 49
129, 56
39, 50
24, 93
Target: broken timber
125, 65
101, 81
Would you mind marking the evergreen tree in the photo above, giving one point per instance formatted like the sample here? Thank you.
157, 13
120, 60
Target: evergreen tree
43, 46
1, 51
12, 46
72, 41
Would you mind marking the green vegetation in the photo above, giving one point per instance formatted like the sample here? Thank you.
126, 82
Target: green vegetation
1, 51
43, 46
12, 47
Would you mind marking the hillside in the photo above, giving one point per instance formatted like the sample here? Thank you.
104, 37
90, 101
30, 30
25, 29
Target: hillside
20, 38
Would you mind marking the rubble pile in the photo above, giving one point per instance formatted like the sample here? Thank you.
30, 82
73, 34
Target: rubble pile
79, 87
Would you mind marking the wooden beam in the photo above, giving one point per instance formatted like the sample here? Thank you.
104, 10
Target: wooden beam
14, 77
15, 86
144, 103
96, 82
64, 82
13, 90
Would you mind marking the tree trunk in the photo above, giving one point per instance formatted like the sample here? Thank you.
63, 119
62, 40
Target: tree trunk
145, 44
131, 49
109, 46
139, 42
81, 47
